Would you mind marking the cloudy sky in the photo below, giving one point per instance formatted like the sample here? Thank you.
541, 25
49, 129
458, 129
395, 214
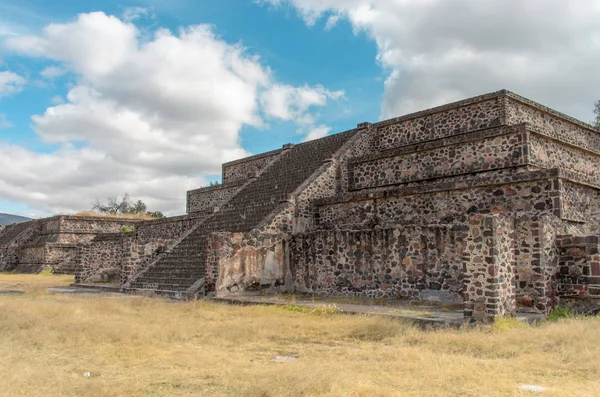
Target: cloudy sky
149, 97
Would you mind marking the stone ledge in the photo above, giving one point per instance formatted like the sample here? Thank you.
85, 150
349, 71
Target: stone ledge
547, 110
486, 97
466, 137
251, 158
173, 219
225, 185
433, 185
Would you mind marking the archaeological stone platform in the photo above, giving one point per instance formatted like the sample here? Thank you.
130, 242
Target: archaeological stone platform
491, 203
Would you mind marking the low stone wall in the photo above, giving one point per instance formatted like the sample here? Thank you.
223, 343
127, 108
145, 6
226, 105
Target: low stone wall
103, 253
60, 258
418, 262
78, 229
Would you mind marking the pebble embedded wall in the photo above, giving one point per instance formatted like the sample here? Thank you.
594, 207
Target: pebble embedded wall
578, 275
423, 262
333, 180
551, 123
131, 252
489, 263
103, 253
532, 197
480, 154
577, 164
581, 203
441, 122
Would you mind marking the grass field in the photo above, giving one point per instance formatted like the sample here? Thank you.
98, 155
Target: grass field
135, 346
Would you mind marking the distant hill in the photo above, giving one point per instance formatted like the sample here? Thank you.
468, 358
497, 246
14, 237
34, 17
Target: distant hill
7, 219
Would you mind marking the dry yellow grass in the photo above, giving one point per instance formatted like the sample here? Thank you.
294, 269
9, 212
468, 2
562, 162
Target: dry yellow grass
150, 347
141, 217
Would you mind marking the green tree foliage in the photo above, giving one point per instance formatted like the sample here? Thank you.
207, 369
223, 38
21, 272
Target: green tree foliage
124, 205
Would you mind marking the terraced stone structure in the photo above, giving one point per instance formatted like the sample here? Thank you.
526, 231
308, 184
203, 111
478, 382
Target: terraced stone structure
53, 242
491, 202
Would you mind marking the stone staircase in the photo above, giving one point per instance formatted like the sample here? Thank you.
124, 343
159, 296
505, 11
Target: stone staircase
179, 273
11, 232
12, 237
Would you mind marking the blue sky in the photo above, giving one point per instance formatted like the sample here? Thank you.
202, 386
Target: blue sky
97, 98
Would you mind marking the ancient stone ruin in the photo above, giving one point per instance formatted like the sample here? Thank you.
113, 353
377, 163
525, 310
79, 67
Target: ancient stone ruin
491, 202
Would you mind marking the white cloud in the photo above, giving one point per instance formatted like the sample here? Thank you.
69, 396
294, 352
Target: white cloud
441, 50
149, 117
10, 83
4, 122
52, 72
57, 100
317, 132
332, 20
133, 13
295, 104
291, 103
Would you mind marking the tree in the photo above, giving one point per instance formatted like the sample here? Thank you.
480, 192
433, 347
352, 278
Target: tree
124, 205
597, 113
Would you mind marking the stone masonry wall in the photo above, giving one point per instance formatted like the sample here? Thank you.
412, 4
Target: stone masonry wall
207, 198
33, 255
423, 262
579, 268
440, 122
553, 124
333, 180
104, 252
249, 167
133, 251
489, 267
536, 262
78, 229
12, 240
577, 164
61, 258
581, 203
533, 197
167, 228
486, 151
